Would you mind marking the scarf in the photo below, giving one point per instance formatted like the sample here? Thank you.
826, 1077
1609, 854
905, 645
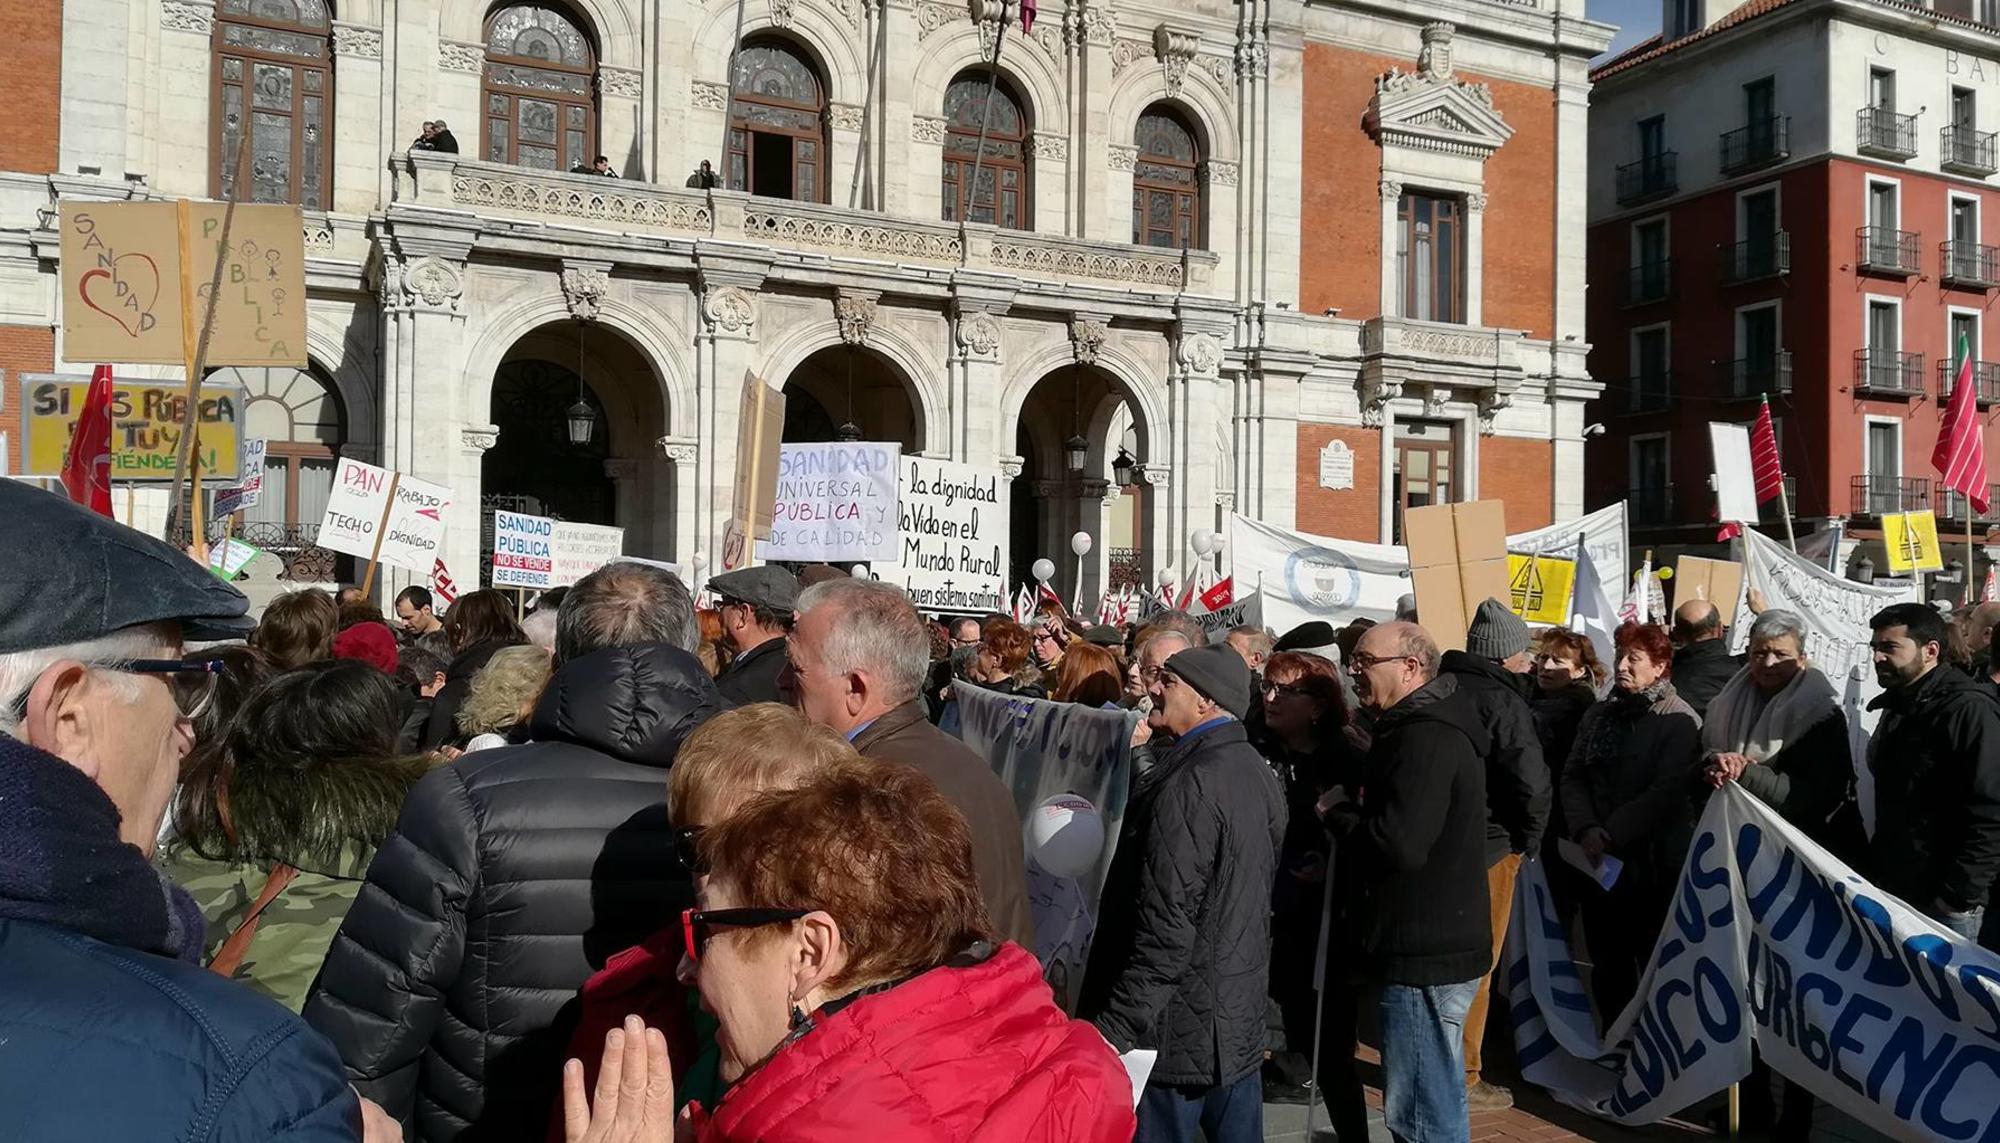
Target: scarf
1743, 720
1621, 712
62, 863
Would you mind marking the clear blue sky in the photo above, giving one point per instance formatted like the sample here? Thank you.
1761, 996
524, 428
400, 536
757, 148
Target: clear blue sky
1636, 19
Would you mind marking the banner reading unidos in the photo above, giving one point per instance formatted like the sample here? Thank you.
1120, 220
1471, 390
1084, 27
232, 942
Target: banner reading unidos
953, 536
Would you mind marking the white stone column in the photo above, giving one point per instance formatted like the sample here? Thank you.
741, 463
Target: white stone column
1475, 258
977, 382
1103, 193
424, 385
729, 315
619, 116
354, 119
1391, 191
682, 477
1160, 546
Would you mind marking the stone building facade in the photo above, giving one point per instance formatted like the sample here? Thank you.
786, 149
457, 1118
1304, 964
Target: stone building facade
1228, 236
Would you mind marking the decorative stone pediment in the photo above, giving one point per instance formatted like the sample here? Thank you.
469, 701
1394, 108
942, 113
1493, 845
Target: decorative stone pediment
1430, 109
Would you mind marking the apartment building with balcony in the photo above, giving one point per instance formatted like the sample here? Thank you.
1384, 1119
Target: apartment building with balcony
1789, 202
1205, 240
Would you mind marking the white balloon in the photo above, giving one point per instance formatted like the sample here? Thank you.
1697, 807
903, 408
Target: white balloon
859, 571
1044, 570
1080, 543
1167, 576
700, 560
1203, 541
1065, 835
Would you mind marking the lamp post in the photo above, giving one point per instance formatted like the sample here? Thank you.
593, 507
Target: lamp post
582, 418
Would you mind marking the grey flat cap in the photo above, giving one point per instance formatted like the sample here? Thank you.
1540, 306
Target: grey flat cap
72, 575
759, 586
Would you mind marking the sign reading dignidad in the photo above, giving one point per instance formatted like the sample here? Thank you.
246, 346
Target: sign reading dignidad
384, 516
953, 537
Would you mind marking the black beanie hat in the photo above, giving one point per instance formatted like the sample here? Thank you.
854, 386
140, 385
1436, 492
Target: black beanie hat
1218, 672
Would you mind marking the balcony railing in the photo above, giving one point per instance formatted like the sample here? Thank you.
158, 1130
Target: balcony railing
1875, 495
590, 202
1951, 506
1765, 256
1758, 144
1888, 372
1879, 131
1771, 511
1965, 151
1649, 392
1971, 265
1648, 178
1985, 380
1747, 377
1650, 282
1880, 250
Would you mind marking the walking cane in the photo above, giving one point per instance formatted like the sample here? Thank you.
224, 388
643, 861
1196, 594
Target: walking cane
1319, 990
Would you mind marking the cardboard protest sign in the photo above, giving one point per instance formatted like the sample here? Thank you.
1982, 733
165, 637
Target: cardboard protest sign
1603, 532
1718, 581
1458, 558
1772, 941
384, 517
249, 487
523, 550
583, 548
1540, 587
1041, 749
836, 503
952, 535
760, 427
260, 313
1911, 540
146, 419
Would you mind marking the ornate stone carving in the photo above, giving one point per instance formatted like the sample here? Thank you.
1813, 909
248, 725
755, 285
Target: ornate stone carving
1436, 399
782, 12
1375, 398
1491, 401
731, 309
1226, 501
426, 283
930, 243
1057, 258
1218, 172
1050, 145
1124, 54
855, 312
1157, 475
989, 39
1176, 50
1121, 156
1011, 467
619, 81
634, 204
1046, 489
931, 17
1086, 339
1201, 354
709, 96
1475, 201
844, 116
456, 56
583, 288
318, 236
1217, 68
979, 333
621, 468
1429, 109
479, 438
1253, 59
1434, 58
1099, 26
926, 129
187, 16
357, 42
681, 452
1391, 190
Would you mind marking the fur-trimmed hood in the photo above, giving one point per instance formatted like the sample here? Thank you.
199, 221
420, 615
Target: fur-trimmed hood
318, 816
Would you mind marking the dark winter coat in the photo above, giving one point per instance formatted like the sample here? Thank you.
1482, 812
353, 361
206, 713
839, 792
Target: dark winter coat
1557, 715
108, 1027
1811, 784
1182, 955
1936, 761
1634, 773
1701, 670
1410, 854
753, 675
442, 729
1517, 777
905, 735
512, 876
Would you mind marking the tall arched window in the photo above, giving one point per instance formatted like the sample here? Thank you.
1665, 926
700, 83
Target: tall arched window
271, 66
1006, 163
541, 108
1166, 181
299, 414
777, 144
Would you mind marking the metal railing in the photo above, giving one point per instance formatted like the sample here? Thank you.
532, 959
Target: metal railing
1882, 132
1967, 151
1985, 380
1764, 256
1770, 510
1971, 264
1888, 371
1874, 495
1881, 250
1650, 281
1649, 177
1951, 506
1756, 145
1745, 377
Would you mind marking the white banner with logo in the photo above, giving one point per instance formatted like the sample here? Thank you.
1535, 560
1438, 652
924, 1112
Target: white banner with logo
836, 504
953, 537
1770, 939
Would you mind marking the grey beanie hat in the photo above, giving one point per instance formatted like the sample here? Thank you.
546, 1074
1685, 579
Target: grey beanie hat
1496, 633
1218, 672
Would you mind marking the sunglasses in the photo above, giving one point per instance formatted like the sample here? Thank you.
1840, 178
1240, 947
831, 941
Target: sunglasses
1282, 690
698, 925
686, 850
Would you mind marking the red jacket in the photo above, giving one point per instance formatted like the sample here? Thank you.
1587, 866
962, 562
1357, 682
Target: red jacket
958, 1055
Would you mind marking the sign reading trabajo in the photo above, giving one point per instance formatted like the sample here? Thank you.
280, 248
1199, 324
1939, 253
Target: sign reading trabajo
146, 419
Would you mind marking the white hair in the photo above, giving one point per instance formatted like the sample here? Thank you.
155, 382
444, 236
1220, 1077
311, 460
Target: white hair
1777, 623
20, 669
879, 631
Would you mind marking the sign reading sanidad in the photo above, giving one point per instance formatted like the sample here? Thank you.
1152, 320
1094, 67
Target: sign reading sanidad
146, 419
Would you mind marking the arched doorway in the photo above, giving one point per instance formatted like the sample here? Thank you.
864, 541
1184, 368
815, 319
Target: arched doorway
777, 141
1062, 488
851, 385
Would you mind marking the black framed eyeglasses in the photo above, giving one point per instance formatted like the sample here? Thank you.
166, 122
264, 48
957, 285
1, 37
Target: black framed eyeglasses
698, 925
1281, 690
192, 681
686, 849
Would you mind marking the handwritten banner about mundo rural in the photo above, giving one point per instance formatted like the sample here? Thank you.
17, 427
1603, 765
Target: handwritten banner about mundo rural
836, 503
146, 419
410, 526
953, 536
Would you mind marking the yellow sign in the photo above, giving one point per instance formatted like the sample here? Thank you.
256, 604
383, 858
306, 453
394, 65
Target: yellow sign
1912, 541
1541, 587
146, 419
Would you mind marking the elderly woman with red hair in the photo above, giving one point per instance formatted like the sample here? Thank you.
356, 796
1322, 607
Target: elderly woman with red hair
1628, 790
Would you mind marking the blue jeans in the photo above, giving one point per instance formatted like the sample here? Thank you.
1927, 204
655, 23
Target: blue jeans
1423, 1061
1965, 924
1233, 1113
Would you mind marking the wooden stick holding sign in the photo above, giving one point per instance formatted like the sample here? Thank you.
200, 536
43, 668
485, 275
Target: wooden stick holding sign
381, 529
195, 347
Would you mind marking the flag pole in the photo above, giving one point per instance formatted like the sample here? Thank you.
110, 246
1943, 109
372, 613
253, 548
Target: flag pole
1784, 501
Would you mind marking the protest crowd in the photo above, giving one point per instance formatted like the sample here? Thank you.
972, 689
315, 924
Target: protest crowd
638, 866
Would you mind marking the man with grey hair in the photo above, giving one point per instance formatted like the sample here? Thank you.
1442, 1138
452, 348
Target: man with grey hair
857, 654
513, 873
100, 954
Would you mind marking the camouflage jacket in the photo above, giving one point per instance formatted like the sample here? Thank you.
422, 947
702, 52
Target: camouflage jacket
297, 928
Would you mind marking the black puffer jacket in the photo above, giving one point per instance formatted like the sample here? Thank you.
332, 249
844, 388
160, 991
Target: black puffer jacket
510, 878
1182, 955
1936, 760
1518, 793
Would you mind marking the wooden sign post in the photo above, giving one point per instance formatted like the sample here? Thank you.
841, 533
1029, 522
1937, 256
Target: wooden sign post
381, 529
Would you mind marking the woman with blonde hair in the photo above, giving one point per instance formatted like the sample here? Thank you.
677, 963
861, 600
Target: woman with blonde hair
502, 696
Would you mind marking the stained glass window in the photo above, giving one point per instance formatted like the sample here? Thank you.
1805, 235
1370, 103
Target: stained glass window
540, 104
1005, 158
1166, 187
777, 141
272, 55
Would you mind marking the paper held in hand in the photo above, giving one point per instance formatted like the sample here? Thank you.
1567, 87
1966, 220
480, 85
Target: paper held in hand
1605, 872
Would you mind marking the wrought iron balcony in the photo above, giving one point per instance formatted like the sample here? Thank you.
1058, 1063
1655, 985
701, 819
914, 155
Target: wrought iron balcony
1765, 256
1650, 282
1965, 151
1756, 145
1650, 505
1951, 506
1969, 265
1880, 132
1770, 511
1747, 377
1880, 250
1888, 372
1648, 178
1649, 391
1985, 380
1875, 495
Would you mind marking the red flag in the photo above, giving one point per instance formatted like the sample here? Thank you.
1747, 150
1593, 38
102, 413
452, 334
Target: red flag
441, 583
1765, 467
1047, 595
1960, 456
1729, 532
1220, 596
86, 473
1027, 16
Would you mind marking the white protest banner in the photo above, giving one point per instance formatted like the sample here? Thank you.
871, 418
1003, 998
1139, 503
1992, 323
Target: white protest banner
1603, 532
360, 506
583, 548
1042, 749
523, 550
246, 491
836, 504
1844, 989
676, 570
953, 536
1735, 484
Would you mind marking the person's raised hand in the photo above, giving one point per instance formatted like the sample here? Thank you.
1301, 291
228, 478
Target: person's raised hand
634, 1101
